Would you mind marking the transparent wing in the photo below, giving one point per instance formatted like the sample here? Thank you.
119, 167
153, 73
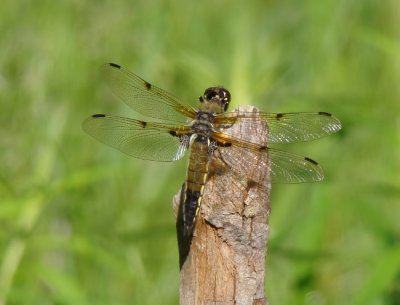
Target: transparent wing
144, 97
290, 168
286, 127
252, 160
144, 140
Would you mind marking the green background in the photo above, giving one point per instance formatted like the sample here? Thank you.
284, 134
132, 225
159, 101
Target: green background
81, 223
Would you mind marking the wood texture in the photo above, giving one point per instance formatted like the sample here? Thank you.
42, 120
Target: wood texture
224, 263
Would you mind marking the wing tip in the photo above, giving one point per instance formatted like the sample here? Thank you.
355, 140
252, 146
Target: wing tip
335, 125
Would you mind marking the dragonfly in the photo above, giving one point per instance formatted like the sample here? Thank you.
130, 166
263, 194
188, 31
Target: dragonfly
204, 131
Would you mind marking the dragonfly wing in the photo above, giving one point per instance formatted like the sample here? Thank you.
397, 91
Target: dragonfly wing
143, 140
291, 168
144, 97
286, 127
245, 163
253, 160
300, 127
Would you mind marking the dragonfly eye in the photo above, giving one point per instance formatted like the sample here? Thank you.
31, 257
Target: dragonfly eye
210, 94
226, 98
217, 94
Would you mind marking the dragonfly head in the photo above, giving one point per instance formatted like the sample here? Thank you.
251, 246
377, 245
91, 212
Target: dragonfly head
217, 96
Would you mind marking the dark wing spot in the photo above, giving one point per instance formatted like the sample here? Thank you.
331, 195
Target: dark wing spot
227, 144
173, 133
143, 123
262, 148
279, 115
324, 113
98, 115
148, 85
311, 160
115, 65
221, 144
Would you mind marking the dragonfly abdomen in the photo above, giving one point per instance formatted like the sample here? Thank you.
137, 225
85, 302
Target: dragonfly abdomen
198, 169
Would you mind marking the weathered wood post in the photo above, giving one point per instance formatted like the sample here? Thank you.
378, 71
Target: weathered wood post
224, 263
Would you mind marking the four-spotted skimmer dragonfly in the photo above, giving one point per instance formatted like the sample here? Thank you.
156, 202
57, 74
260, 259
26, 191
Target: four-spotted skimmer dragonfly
205, 130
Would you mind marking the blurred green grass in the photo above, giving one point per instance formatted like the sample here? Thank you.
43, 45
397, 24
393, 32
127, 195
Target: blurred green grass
83, 224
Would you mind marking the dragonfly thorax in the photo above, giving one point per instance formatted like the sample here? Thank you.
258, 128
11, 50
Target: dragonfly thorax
202, 125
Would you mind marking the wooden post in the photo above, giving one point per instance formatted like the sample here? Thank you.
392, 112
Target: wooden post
224, 263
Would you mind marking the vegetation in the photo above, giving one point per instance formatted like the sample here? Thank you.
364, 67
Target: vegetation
82, 223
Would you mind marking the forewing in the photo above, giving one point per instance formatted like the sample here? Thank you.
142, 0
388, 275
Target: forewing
286, 127
144, 140
144, 97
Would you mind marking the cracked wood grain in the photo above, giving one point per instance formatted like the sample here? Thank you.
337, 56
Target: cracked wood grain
224, 262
